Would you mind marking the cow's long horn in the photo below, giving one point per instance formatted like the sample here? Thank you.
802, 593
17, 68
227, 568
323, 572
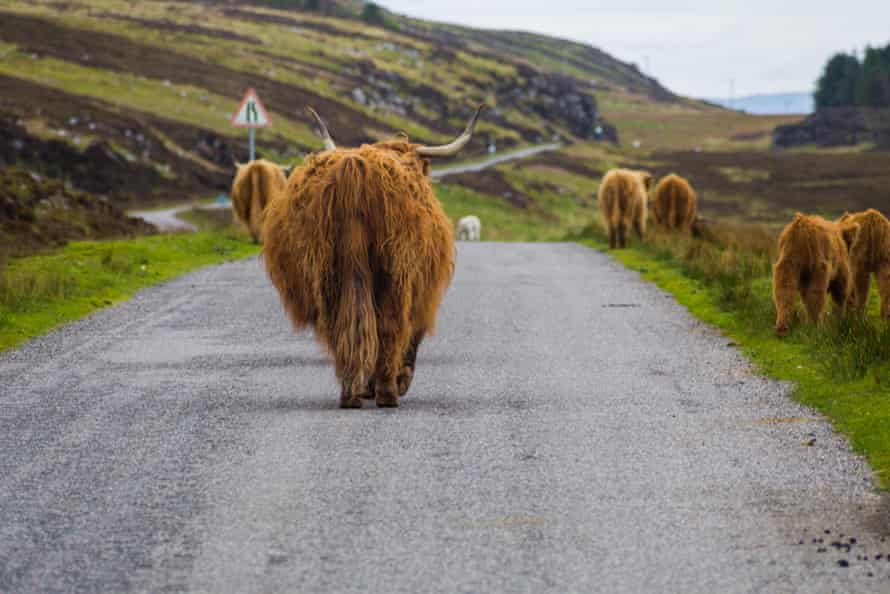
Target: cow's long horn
447, 150
322, 130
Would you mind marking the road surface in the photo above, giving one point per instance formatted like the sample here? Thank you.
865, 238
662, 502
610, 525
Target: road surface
495, 160
570, 429
167, 219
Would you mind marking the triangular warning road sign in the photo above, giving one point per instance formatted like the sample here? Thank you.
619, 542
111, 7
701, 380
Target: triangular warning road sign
251, 113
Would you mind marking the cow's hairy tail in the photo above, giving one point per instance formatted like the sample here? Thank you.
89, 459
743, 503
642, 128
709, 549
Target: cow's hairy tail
354, 335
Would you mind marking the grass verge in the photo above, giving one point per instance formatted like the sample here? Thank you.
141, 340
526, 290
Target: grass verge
841, 369
38, 293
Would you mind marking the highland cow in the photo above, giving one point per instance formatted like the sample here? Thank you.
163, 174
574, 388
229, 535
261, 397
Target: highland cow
623, 195
254, 186
870, 255
360, 249
469, 228
674, 204
813, 261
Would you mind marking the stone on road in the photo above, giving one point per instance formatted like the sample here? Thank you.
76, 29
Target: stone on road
570, 429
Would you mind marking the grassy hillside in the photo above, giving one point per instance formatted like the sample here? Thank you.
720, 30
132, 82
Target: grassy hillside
155, 82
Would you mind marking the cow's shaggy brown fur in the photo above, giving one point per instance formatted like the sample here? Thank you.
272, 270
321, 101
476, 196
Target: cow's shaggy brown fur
674, 204
623, 195
360, 249
870, 255
254, 186
813, 260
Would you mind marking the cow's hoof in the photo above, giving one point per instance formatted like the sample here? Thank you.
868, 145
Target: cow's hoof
404, 381
387, 400
350, 402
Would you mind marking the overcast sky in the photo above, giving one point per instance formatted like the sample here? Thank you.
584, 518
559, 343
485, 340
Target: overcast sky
693, 47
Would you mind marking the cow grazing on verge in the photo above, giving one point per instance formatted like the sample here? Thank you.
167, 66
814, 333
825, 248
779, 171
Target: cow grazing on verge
623, 195
469, 228
813, 260
360, 249
870, 255
674, 204
254, 186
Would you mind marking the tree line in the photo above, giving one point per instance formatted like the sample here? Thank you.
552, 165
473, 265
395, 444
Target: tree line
851, 81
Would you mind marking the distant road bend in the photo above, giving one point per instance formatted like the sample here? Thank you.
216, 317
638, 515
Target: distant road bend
168, 219
570, 429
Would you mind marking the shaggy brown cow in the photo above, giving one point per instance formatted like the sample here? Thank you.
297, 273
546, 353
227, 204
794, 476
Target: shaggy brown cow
623, 196
360, 249
252, 189
813, 260
870, 255
674, 204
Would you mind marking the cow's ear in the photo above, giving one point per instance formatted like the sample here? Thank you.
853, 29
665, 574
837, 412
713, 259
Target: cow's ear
850, 233
425, 163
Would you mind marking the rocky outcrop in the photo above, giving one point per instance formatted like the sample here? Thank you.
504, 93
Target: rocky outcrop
840, 126
560, 99
38, 212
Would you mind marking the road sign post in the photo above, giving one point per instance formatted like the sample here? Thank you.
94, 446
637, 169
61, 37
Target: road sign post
251, 114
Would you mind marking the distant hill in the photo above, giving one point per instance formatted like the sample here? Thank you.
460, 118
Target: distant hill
771, 103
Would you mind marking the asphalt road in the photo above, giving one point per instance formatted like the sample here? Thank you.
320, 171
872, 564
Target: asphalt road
570, 429
167, 219
495, 160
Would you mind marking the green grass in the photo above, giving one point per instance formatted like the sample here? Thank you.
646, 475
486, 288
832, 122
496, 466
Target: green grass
841, 368
38, 293
500, 220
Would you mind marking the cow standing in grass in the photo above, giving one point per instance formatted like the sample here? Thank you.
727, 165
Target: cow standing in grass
623, 196
813, 261
870, 255
674, 204
360, 249
253, 188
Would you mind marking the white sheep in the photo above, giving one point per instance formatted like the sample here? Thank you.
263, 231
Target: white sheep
469, 228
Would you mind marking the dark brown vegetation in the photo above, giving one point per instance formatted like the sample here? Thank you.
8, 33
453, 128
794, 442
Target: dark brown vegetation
37, 213
769, 186
104, 169
492, 182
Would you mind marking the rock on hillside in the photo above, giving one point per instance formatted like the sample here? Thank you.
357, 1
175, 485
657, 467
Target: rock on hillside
37, 212
839, 126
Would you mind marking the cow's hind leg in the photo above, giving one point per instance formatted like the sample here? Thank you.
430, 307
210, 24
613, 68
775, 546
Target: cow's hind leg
815, 293
406, 374
883, 274
368, 394
785, 288
622, 234
863, 286
638, 228
347, 398
393, 338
